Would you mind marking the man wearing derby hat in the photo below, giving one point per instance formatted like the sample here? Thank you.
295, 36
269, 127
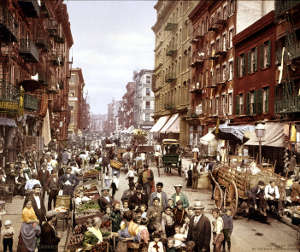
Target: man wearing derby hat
37, 203
200, 229
105, 200
256, 198
178, 195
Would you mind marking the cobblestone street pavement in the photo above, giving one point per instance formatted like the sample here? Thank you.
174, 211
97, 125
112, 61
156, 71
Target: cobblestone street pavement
247, 235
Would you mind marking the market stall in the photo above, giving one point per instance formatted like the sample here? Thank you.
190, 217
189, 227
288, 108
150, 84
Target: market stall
85, 209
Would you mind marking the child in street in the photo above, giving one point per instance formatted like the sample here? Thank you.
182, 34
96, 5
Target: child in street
156, 245
227, 229
168, 222
125, 207
7, 235
143, 209
116, 217
170, 245
179, 238
130, 175
28, 214
114, 184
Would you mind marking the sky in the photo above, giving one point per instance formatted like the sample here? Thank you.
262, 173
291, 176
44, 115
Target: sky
111, 40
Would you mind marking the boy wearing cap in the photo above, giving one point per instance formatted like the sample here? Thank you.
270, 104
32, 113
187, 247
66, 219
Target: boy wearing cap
7, 235
178, 195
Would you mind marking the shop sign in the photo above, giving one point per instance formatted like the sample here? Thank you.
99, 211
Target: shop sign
9, 105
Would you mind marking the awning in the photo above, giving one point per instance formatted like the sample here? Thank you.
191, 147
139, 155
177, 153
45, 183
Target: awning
130, 129
208, 138
7, 122
237, 131
159, 124
169, 123
274, 135
175, 127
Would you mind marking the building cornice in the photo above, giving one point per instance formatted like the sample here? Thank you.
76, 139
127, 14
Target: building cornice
161, 19
260, 24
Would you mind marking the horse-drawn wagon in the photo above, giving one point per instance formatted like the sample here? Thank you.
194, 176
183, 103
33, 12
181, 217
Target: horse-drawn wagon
233, 182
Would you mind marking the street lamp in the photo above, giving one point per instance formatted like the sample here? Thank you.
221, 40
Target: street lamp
260, 133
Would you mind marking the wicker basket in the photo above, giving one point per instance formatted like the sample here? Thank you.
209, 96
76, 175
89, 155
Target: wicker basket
116, 164
63, 201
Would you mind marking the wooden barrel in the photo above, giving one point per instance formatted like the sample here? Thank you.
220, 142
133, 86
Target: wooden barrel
63, 201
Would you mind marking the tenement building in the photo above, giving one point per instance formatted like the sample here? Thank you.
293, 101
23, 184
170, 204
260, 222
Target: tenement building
143, 100
172, 73
35, 39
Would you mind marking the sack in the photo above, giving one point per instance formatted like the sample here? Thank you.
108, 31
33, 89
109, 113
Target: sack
122, 246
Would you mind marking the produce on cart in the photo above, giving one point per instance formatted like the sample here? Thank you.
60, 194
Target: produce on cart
234, 181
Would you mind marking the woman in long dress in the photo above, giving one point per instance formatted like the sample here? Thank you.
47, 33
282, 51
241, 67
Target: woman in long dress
30, 229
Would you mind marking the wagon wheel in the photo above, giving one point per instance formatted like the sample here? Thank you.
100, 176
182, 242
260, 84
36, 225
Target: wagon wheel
231, 197
218, 196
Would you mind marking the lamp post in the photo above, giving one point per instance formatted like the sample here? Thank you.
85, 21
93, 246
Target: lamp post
260, 133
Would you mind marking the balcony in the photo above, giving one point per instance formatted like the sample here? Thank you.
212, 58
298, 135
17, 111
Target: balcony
217, 23
196, 88
170, 26
57, 59
30, 8
221, 51
282, 6
31, 102
197, 36
171, 51
59, 39
52, 28
29, 51
197, 59
42, 43
9, 97
8, 31
170, 77
287, 105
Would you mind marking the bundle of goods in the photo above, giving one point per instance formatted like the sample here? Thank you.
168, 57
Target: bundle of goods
87, 210
116, 164
86, 193
92, 173
75, 241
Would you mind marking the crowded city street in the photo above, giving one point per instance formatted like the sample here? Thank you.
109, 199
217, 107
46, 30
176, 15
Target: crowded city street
149, 126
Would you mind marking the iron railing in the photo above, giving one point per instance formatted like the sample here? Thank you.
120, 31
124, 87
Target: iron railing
29, 51
9, 96
8, 26
287, 105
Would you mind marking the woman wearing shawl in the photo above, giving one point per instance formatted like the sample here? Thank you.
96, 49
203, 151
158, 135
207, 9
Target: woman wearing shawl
93, 235
30, 229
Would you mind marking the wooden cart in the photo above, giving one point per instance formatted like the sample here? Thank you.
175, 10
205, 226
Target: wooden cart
232, 184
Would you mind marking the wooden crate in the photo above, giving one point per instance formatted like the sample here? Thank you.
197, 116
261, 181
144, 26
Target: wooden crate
63, 201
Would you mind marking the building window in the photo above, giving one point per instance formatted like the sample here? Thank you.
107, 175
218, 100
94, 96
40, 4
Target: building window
230, 70
224, 42
224, 73
239, 104
230, 104
231, 34
252, 60
147, 91
147, 117
241, 66
266, 100
265, 55
225, 12
251, 103
147, 105
232, 7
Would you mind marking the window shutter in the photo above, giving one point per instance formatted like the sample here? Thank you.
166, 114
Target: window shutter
267, 100
244, 64
247, 105
255, 101
249, 62
259, 101
237, 67
237, 104
255, 59
269, 54
261, 56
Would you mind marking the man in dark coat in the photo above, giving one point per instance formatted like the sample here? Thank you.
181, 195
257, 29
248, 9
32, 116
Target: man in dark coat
48, 238
68, 182
200, 229
37, 203
105, 200
129, 192
161, 195
44, 176
256, 198
138, 198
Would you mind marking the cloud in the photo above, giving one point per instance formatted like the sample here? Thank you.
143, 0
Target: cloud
111, 40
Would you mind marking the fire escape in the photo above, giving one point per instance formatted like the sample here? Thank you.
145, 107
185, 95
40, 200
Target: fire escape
287, 99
